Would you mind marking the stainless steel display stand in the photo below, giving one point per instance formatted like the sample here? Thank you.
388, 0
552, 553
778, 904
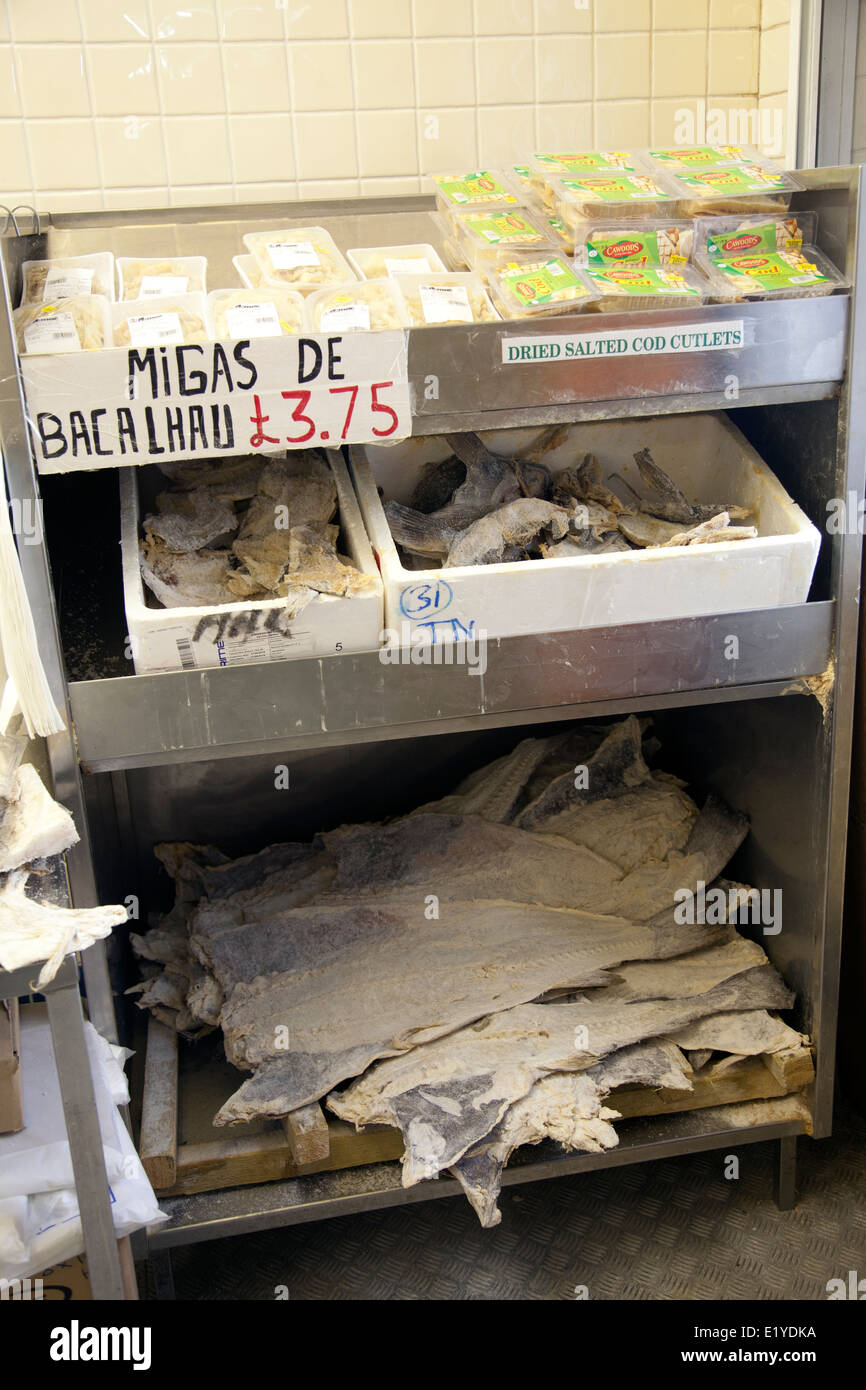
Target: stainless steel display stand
191, 755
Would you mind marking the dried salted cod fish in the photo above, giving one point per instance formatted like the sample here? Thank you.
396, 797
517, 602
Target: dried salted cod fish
304, 483
12, 750
370, 979
517, 523
746, 1034
185, 580
461, 856
31, 931
191, 520
493, 791
33, 825
446, 1096
234, 479
567, 1107
584, 484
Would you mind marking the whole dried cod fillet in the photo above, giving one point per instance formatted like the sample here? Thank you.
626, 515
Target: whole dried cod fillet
32, 824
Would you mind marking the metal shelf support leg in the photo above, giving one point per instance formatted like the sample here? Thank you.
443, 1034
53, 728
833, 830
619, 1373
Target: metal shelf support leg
785, 1184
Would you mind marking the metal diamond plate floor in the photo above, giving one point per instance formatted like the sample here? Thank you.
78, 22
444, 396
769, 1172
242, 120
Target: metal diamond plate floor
675, 1229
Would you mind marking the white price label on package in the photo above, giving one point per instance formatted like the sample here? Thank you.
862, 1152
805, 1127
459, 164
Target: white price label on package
64, 282
153, 330
345, 318
445, 304
259, 320
53, 332
157, 286
288, 255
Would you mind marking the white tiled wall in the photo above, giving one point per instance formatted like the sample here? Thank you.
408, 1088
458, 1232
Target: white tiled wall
125, 103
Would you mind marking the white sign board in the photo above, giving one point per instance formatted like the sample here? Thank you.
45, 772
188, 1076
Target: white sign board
200, 400
625, 342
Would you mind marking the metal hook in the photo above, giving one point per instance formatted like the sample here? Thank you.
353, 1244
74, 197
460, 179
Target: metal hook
26, 207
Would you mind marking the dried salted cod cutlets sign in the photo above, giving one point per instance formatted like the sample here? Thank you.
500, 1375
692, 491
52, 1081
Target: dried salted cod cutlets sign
568, 1108
455, 856
446, 1096
32, 824
391, 980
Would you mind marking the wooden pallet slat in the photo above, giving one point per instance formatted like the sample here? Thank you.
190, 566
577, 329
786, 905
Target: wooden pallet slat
311, 1141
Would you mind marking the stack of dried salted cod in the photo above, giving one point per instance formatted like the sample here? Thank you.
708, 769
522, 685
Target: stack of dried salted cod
426, 940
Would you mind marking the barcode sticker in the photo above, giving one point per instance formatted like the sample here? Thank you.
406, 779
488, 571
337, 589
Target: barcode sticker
342, 318
52, 332
253, 321
155, 286
407, 265
288, 255
445, 304
152, 330
186, 653
64, 283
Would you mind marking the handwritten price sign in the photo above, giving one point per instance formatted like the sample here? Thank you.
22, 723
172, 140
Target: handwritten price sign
198, 400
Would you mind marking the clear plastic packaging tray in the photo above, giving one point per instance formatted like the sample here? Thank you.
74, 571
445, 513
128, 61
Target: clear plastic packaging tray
600, 197
642, 241
361, 307
261, 313
455, 256
701, 156
801, 274
748, 188
546, 167
179, 318
249, 271
67, 277
81, 323
300, 258
740, 236
380, 262
484, 236
449, 297
528, 285
488, 188
156, 277
646, 287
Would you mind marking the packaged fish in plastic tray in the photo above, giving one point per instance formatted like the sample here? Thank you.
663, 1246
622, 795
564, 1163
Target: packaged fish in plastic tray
488, 188
738, 235
79, 324
678, 157
546, 167
705, 455
238, 631
249, 271
380, 262
614, 197
260, 313
362, 307
801, 274
67, 277
523, 286
449, 297
180, 318
156, 277
619, 287
747, 188
640, 242
300, 258
484, 236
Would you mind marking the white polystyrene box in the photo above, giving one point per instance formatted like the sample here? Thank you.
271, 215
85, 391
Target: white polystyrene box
705, 454
234, 634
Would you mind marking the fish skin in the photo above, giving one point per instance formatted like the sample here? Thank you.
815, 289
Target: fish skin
490, 480
519, 522
421, 532
436, 485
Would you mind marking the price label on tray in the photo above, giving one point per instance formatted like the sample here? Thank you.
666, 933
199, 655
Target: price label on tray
162, 401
